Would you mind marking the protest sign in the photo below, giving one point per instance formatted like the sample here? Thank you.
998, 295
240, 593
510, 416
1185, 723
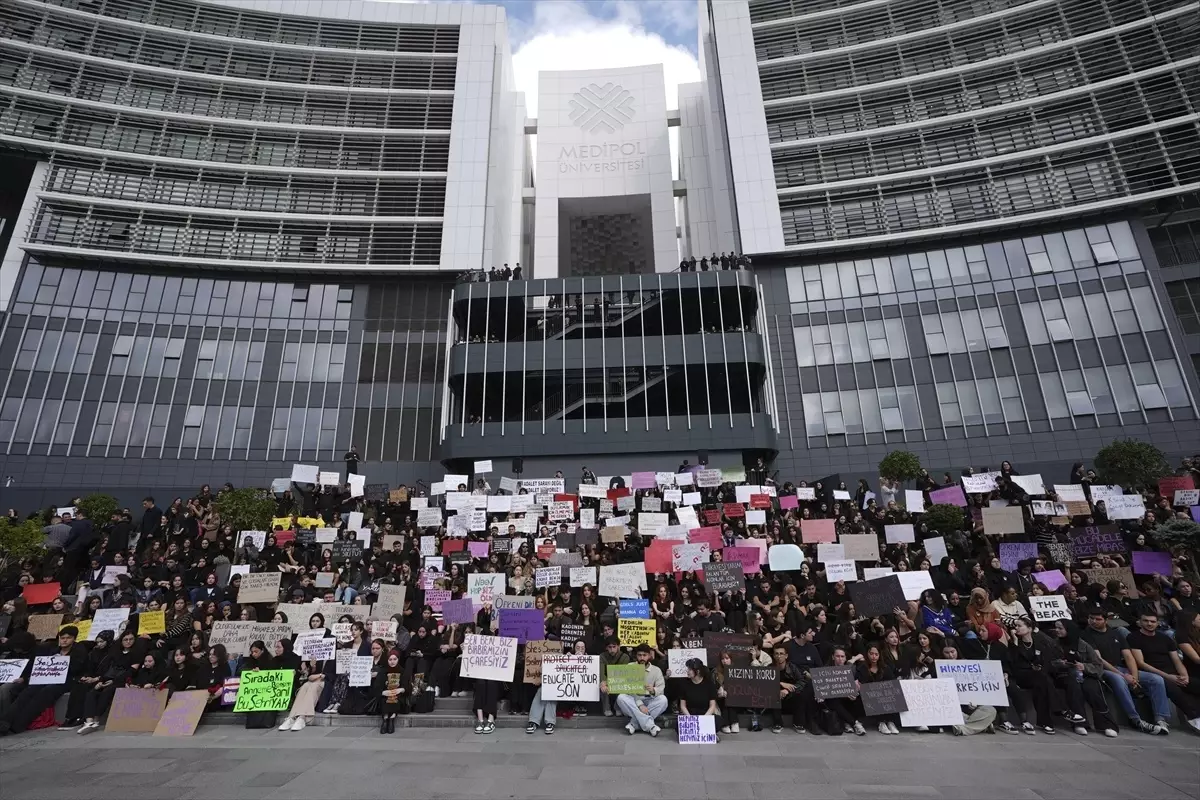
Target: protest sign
49, 671
1049, 607
107, 619
930, 702
830, 551
831, 682
1096, 539
813, 531
914, 501
267, 690
752, 687
784, 557
389, 601
696, 730
1032, 484
1003, 521
979, 683
182, 713
360, 671
708, 478
1049, 508
229, 691
626, 679
237, 636
535, 651
37, 594
613, 534
983, 483
523, 624
882, 697
570, 633
622, 580
1128, 506
571, 678
724, 577
651, 504
318, 648
1061, 552
913, 582
845, 571
434, 598
1147, 562
1050, 578
677, 658
748, 557
583, 576
689, 557
896, 534
136, 710
260, 587
860, 547
152, 622
1012, 553
489, 658
547, 576
111, 573
458, 611
503, 601
738, 645
633, 632
878, 596
44, 626
871, 573
305, 473
634, 609
1185, 498
951, 495
11, 669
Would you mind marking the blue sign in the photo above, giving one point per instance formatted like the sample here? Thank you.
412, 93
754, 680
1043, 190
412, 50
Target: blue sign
635, 609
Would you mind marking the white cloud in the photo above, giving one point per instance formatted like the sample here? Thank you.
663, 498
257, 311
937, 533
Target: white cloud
565, 35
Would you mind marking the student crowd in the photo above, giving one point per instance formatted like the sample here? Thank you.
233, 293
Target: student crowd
1126, 650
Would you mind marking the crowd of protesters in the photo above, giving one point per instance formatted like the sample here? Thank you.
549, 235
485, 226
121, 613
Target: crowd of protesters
1125, 658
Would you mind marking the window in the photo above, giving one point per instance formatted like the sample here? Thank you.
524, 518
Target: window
1150, 394
889, 403
1056, 321
1079, 400
1124, 317
1010, 398
1056, 399
1171, 379
935, 337
948, 404
205, 359
993, 328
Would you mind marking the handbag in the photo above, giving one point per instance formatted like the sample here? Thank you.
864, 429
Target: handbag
423, 702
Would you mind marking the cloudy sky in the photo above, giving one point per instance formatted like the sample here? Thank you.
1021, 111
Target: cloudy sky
593, 34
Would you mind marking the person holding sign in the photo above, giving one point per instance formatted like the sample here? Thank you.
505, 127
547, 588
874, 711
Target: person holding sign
643, 710
872, 669
259, 659
42, 691
389, 686
699, 695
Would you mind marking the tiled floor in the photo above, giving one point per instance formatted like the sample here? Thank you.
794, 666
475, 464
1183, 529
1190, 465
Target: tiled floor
332, 764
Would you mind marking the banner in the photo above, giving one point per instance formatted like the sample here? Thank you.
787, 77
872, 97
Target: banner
571, 678
626, 679
677, 659
489, 658
633, 632
883, 697
622, 580
49, 670
265, 690
930, 702
696, 730
724, 577
523, 624
832, 682
1096, 539
752, 687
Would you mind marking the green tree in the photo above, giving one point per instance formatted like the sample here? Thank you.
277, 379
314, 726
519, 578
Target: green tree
1180, 533
99, 507
1132, 464
246, 509
900, 465
944, 518
19, 540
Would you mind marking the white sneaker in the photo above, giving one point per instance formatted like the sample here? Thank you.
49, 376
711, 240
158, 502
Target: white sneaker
1110, 733
859, 730
1194, 724
655, 730
1080, 730
632, 730
735, 728
89, 727
726, 730
893, 729
883, 728
299, 724
333, 709
287, 724
608, 712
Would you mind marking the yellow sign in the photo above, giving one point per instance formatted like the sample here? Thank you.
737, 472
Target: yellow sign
152, 622
302, 523
633, 632
84, 626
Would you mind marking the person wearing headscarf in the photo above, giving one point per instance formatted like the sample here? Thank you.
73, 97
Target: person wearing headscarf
1078, 674
391, 690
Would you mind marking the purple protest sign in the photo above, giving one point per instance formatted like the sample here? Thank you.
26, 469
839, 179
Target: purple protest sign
461, 611
526, 624
1150, 563
1196, 513
1096, 539
951, 495
435, 598
478, 549
1012, 553
643, 480
1051, 579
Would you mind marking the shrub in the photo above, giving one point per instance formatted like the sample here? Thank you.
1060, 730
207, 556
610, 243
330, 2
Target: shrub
99, 508
944, 518
900, 465
1131, 464
246, 509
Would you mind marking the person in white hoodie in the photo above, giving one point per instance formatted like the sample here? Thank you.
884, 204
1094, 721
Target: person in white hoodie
643, 710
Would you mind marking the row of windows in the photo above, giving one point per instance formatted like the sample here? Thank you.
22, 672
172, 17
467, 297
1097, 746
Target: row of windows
243, 24
1091, 316
857, 27
851, 342
1185, 299
207, 57
1131, 166
1169, 40
1115, 388
125, 133
1107, 111
863, 411
288, 194
238, 239
989, 87
1060, 251
1176, 243
123, 87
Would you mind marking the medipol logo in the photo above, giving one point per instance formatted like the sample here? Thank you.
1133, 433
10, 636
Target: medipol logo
601, 108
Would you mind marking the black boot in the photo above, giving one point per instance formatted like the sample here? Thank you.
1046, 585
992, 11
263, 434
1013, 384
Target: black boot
383, 725
391, 724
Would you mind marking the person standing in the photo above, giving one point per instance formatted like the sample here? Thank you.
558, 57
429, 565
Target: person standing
351, 459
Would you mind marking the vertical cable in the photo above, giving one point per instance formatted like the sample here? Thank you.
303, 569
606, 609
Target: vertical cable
687, 392
704, 346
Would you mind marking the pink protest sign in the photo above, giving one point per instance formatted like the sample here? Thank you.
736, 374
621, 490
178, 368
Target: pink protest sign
748, 557
478, 549
787, 501
813, 531
1051, 579
951, 495
643, 480
710, 535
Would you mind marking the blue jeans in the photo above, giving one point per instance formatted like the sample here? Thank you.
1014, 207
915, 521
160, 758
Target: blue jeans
1154, 686
540, 710
346, 595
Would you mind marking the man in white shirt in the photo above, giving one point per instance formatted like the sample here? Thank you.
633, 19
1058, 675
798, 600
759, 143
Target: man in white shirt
643, 710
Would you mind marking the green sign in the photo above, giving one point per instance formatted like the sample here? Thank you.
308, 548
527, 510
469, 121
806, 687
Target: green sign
626, 679
265, 690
